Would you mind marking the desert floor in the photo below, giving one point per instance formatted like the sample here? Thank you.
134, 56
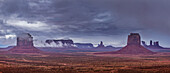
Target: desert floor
83, 63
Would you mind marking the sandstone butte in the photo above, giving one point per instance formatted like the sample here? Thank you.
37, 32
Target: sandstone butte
24, 44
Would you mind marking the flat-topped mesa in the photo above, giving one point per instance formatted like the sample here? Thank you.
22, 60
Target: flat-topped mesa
134, 46
84, 45
62, 43
24, 44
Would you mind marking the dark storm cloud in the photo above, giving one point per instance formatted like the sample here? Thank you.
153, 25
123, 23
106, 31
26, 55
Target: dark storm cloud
84, 17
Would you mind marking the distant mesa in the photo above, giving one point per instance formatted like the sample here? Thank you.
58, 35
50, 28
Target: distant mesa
101, 45
153, 45
84, 45
69, 44
110, 47
61, 43
134, 46
24, 44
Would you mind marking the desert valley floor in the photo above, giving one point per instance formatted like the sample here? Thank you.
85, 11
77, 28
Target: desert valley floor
84, 62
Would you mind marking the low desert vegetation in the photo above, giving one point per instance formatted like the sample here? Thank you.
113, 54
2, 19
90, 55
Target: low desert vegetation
82, 63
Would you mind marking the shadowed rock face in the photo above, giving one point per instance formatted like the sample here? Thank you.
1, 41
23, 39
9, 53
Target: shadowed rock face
84, 45
24, 44
134, 46
154, 45
101, 45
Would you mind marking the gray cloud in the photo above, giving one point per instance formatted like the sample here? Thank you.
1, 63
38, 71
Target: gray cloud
82, 18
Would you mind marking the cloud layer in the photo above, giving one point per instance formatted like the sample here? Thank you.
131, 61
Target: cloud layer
86, 19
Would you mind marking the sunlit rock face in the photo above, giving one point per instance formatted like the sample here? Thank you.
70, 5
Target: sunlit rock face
134, 46
25, 44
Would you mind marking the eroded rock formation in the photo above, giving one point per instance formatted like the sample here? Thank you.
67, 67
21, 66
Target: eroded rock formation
154, 45
134, 46
101, 45
24, 44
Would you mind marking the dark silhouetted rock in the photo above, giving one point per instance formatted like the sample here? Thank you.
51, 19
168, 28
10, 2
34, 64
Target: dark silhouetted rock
110, 47
101, 45
144, 43
84, 45
154, 45
150, 42
24, 44
134, 46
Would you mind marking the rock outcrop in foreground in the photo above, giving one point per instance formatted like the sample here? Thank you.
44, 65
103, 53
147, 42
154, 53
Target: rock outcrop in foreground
134, 46
24, 44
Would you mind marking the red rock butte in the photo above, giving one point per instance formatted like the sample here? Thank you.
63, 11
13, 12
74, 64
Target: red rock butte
134, 46
24, 44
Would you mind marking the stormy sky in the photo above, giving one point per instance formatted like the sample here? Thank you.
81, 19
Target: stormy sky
92, 21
